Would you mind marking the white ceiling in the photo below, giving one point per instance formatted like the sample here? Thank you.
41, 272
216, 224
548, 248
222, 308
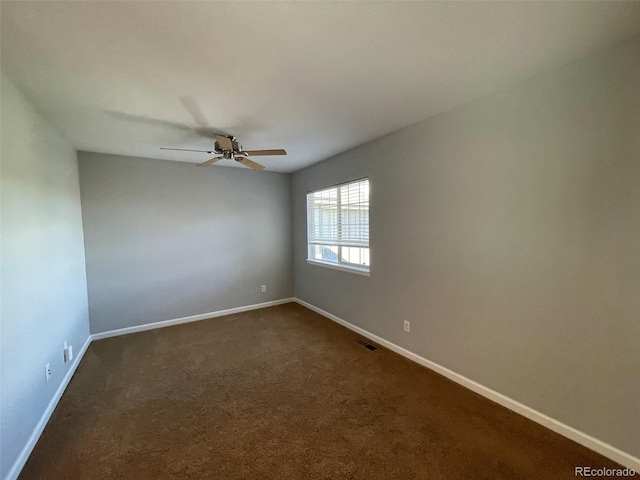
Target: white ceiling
316, 78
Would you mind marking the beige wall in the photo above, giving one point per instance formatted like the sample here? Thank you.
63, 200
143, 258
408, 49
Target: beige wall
167, 240
508, 232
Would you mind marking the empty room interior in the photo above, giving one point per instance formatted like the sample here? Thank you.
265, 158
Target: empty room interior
323, 240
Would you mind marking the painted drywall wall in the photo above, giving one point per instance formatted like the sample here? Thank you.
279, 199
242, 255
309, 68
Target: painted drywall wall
43, 292
506, 231
167, 240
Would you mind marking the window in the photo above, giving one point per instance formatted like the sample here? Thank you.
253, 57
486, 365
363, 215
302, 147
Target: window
338, 223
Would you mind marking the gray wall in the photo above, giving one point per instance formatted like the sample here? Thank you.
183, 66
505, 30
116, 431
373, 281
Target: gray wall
507, 231
167, 240
43, 292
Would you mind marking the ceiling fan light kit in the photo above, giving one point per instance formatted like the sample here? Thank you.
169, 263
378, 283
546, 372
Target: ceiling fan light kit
230, 149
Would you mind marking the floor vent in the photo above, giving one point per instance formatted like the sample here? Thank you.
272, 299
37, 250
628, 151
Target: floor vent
365, 344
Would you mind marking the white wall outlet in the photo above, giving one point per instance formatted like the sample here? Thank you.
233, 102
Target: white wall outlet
68, 352
264, 288
407, 326
47, 372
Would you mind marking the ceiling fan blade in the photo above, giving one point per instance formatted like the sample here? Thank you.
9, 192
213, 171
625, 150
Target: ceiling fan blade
224, 142
249, 163
265, 152
209, 162
187, 150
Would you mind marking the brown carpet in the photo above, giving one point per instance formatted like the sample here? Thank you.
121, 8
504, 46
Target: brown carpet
281, 393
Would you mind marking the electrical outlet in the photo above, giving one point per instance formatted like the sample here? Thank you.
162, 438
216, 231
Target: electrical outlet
67, 353
264, 288
407, 326
47, 372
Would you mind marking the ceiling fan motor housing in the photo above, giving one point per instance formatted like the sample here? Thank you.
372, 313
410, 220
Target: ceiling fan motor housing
237, 147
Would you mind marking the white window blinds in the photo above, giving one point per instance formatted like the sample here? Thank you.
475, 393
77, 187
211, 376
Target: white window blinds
338, 222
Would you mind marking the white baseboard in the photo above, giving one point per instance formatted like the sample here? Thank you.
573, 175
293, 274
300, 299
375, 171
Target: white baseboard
588, 441
35, 435
577, 436
192, 318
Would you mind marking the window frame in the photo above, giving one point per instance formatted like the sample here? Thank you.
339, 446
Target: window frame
339, 264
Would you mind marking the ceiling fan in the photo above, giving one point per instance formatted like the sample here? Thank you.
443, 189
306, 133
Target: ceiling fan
230, 149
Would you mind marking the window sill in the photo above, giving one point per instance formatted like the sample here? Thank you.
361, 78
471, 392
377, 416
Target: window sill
344, 268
